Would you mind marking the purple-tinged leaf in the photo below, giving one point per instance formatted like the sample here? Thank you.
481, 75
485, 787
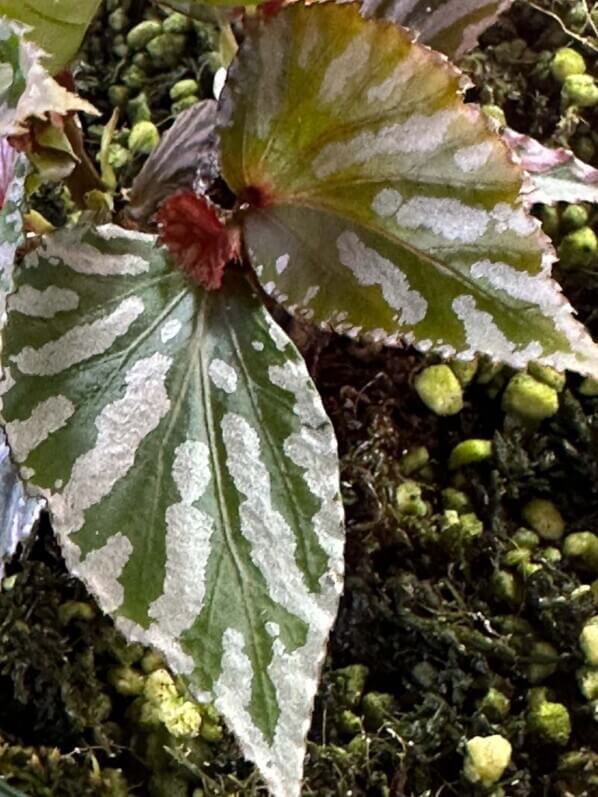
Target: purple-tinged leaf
186, 152
556, 175
451, 26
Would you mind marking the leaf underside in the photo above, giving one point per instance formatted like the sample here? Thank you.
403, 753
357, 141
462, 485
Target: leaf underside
173, 165
556, 175
386, 206
190, 470
57, 26
450, 26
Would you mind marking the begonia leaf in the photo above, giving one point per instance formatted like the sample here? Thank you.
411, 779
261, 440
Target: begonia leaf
190, 471
376, 202
450, 26
556, 175
26, 88
55, 26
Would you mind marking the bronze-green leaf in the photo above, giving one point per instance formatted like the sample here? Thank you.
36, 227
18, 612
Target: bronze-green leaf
377, 202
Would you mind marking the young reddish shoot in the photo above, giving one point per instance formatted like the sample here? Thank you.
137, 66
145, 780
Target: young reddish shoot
199, 241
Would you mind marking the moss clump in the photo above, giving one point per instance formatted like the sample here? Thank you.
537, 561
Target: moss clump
566, 62
582, 548
469, 452
440, 390
588, 641
530, 399
579, 248
144, 138
548, 720
580, 90
544, 518
486, 759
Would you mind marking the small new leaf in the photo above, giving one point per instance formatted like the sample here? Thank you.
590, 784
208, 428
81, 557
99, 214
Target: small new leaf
190, 470
197, 238
556, 175
26, 88
378, 203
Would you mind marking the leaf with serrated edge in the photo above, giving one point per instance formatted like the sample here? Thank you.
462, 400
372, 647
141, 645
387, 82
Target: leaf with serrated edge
56, 26
26, 89
556, 175
450, 26
190, 470
202, 9
378, 202
18, 512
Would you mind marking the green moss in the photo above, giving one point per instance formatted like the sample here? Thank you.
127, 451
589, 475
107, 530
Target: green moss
544, 518
550, 721
469, 452
529, 398
440, 390
565, 62
578, 249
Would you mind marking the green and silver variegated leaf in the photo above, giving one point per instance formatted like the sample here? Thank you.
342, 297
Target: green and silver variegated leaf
26, 88
56, 26
18, 511
378, 202
190, 470
13, 170
450, 26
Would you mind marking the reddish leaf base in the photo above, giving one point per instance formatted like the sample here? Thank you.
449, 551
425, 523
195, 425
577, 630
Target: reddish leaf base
197, 239
271, 8
256, 196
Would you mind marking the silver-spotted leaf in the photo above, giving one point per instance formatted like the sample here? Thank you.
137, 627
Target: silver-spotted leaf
190, 471
556, 175
377, 202
56, 26
13, 170
26, 88
18, 511
450, 26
